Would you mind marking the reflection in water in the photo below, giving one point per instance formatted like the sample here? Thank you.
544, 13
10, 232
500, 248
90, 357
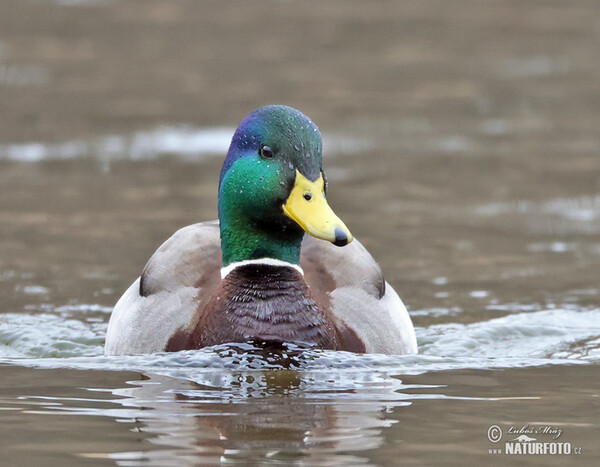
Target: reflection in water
269, 405
303, 416
250, 402
276, 414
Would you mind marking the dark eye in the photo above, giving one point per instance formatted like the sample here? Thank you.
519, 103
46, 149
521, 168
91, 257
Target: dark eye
265, 151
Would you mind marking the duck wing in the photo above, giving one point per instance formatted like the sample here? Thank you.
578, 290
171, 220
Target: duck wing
349, 284
175, 286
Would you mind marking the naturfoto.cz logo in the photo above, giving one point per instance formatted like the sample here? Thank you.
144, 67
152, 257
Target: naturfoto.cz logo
529, 440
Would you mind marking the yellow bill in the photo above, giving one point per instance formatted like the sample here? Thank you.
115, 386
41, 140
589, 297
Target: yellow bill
308, 207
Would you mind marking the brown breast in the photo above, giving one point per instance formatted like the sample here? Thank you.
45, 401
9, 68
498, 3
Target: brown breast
259, 301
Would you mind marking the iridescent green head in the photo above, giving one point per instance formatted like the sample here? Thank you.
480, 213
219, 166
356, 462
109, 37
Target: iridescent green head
272, 188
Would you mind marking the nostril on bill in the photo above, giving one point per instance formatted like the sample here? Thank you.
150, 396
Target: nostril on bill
341, 238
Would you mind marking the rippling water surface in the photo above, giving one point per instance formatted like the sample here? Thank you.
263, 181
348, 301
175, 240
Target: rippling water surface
462, 147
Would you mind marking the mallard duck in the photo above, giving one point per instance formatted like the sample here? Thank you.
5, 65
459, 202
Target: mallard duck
254, 274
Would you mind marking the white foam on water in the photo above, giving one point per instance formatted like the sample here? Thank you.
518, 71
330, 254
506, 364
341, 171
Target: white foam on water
515, 337
182, 141
560, 216
582, 209
72, 337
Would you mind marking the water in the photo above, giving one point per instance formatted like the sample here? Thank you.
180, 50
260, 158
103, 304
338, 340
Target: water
461, 146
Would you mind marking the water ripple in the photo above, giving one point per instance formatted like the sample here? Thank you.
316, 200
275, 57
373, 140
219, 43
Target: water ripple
72, 337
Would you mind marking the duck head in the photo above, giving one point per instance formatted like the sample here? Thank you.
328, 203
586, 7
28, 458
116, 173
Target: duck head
272, 188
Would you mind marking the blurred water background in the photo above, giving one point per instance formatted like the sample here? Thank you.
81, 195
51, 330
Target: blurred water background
462, 146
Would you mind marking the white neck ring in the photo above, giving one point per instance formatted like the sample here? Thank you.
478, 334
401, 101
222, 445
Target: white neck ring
266, 261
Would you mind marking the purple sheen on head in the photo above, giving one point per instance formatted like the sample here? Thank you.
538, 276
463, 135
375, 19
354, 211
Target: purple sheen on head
285, 130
